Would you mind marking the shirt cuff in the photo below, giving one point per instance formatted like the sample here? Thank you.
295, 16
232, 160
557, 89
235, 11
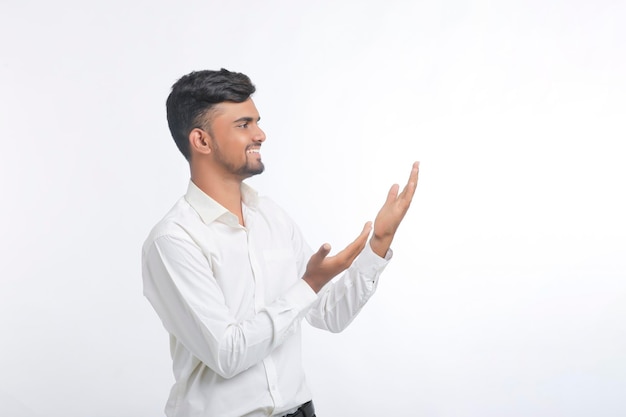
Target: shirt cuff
301, 295
370, 263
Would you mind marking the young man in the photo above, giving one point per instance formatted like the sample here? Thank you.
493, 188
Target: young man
229, 273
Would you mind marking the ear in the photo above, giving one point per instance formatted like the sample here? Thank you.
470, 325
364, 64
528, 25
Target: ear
199, 141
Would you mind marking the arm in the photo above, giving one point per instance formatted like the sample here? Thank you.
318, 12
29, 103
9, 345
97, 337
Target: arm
340, 301
321, 268
179, 283
391, 214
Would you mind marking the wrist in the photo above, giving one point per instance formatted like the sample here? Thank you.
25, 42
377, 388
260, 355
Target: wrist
380, 245
313, 283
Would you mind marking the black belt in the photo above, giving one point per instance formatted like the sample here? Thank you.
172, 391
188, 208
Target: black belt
305, 410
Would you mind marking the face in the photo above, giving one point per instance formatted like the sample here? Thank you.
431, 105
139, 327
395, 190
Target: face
236, 139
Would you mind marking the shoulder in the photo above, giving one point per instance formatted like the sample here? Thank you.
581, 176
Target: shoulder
176, 224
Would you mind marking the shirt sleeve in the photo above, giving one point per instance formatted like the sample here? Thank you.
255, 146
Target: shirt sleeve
179, 283
342, 299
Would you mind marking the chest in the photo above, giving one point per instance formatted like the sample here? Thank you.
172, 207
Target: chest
252, 265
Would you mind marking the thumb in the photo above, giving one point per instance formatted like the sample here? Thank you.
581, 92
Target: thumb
322, 253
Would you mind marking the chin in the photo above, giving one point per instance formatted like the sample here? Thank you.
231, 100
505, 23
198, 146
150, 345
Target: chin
257, 171
250, 171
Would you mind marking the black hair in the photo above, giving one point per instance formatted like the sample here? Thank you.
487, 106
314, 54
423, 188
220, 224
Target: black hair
195, 94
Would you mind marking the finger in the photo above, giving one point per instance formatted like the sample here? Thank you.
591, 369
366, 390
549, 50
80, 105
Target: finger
409, 189
392, 195
353, 249
367, 228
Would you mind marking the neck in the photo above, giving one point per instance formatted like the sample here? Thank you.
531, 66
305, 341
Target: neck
224, 190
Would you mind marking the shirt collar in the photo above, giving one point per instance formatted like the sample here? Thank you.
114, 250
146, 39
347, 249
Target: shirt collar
209, 209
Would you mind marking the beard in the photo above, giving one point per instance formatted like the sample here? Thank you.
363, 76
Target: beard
251, 167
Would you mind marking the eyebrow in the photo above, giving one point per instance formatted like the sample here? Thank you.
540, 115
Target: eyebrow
246, 119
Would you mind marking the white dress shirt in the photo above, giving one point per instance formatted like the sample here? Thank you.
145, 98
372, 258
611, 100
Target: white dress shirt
232, 299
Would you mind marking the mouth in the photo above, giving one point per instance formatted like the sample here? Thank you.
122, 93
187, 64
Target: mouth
254, 151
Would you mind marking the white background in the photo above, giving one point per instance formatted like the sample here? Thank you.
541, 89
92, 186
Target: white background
507, 292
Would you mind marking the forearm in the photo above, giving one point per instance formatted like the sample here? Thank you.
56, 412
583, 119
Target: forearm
340, 301
246, 343
193, 310
380, 245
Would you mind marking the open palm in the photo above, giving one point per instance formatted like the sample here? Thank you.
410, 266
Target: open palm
392, 212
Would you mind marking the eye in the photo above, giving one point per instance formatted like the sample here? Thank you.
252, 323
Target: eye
243, 125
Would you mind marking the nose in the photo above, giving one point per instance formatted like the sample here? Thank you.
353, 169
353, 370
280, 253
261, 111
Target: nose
259, 135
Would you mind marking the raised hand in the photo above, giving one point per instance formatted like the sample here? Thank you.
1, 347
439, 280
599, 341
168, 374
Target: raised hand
321, 268
392, 212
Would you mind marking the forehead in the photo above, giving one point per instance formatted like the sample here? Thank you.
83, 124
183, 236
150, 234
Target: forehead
231, 111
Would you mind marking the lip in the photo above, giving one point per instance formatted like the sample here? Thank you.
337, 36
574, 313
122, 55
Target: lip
254, 150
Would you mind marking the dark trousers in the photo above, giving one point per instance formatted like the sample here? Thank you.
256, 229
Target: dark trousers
305, 410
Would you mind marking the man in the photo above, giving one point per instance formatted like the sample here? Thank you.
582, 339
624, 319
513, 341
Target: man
229, 273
